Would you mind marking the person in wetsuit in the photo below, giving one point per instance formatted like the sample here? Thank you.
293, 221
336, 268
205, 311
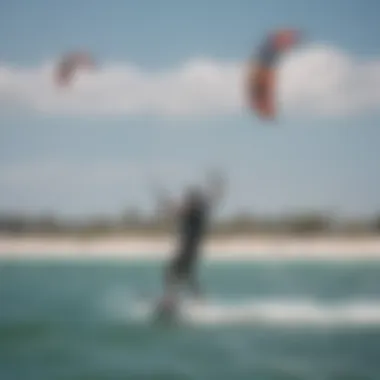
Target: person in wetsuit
192, 228
193, 221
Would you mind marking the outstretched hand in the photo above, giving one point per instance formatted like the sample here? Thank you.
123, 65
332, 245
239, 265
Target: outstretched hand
216, 184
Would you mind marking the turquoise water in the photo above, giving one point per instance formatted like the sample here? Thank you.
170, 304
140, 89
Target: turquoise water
269, 320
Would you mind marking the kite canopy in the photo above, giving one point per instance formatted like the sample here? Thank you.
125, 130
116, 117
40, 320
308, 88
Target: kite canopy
262, 71
70, 64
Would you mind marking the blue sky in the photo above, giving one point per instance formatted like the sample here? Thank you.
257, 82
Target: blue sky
100, 164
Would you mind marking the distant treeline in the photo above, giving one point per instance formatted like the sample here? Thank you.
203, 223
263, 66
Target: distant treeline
135, 223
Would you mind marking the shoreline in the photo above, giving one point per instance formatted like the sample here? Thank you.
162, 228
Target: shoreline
160, 248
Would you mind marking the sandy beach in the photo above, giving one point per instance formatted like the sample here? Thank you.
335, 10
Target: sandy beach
238, 248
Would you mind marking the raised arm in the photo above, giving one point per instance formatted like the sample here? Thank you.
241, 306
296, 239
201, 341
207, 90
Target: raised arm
169, 206
215, 187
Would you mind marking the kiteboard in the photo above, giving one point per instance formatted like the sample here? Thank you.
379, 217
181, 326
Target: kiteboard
166, 310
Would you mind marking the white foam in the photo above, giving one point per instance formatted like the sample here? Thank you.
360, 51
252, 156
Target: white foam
275, 312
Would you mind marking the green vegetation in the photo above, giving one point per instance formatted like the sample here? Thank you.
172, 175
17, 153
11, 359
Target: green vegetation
135, 224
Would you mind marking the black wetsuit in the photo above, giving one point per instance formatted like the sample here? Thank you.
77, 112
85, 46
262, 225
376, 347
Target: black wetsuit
192, 229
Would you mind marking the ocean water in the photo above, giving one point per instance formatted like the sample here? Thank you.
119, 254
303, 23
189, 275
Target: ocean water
273, 320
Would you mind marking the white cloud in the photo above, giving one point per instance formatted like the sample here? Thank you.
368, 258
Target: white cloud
324, 80
317, 80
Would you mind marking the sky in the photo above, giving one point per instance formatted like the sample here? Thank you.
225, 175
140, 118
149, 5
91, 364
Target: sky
165, 105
